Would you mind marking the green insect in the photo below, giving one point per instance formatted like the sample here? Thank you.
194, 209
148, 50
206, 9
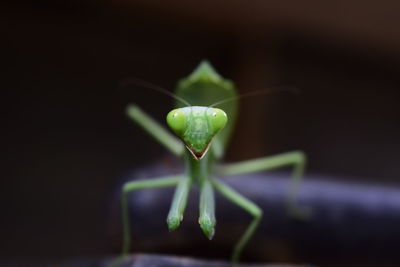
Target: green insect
203, 132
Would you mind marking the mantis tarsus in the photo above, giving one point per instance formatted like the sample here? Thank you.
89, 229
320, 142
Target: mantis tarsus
203, 132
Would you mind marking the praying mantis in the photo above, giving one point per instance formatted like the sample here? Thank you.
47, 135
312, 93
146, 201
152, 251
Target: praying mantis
201, 133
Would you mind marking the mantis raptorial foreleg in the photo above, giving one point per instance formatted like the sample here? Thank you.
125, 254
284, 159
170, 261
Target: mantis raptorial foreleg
178, 205
247, 205
297, 159
207, 209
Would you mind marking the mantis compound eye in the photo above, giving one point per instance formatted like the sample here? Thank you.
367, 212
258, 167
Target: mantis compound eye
217, 118
176, 120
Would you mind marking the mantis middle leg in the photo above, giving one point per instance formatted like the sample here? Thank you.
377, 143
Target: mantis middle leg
297, 159
137, 185
248, 206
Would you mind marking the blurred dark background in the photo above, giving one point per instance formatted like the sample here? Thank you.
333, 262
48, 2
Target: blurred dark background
67, 142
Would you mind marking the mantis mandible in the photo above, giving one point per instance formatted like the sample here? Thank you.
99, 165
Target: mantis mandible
203, 132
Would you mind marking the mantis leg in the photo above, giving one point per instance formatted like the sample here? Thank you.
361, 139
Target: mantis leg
207, 209
137, 185
297, 159
248, 206
159, 133
178, 205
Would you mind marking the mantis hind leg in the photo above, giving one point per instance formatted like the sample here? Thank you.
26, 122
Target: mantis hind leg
297, 159
155, 130
248, 206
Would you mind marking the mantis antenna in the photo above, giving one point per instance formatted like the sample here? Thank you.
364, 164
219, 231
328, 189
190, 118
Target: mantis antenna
256, 93
145, 84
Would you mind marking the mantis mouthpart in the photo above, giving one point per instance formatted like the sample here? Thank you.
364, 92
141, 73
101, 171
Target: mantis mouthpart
201, 135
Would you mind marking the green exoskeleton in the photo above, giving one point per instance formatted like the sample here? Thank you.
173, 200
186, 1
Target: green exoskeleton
203, 131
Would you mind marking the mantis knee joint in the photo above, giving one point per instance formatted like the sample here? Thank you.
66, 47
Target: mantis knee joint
125, 188
128, 187
299, 156
257, 213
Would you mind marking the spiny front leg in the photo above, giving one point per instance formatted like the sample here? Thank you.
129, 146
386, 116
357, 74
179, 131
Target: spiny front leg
175, 215
207, 209
248, 206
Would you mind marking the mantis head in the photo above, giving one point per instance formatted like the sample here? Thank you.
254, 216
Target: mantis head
196, 126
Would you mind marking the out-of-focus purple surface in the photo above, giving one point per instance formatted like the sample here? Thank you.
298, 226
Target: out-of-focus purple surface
351, 223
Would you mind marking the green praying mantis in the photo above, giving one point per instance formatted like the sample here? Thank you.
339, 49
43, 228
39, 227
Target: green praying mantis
203, 131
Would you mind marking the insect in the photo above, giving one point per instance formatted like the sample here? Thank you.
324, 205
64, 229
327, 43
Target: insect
201, 134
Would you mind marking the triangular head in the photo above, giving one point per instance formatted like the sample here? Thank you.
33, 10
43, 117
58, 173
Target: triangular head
197, 126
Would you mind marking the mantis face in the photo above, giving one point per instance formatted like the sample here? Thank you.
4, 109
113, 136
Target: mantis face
196, 126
